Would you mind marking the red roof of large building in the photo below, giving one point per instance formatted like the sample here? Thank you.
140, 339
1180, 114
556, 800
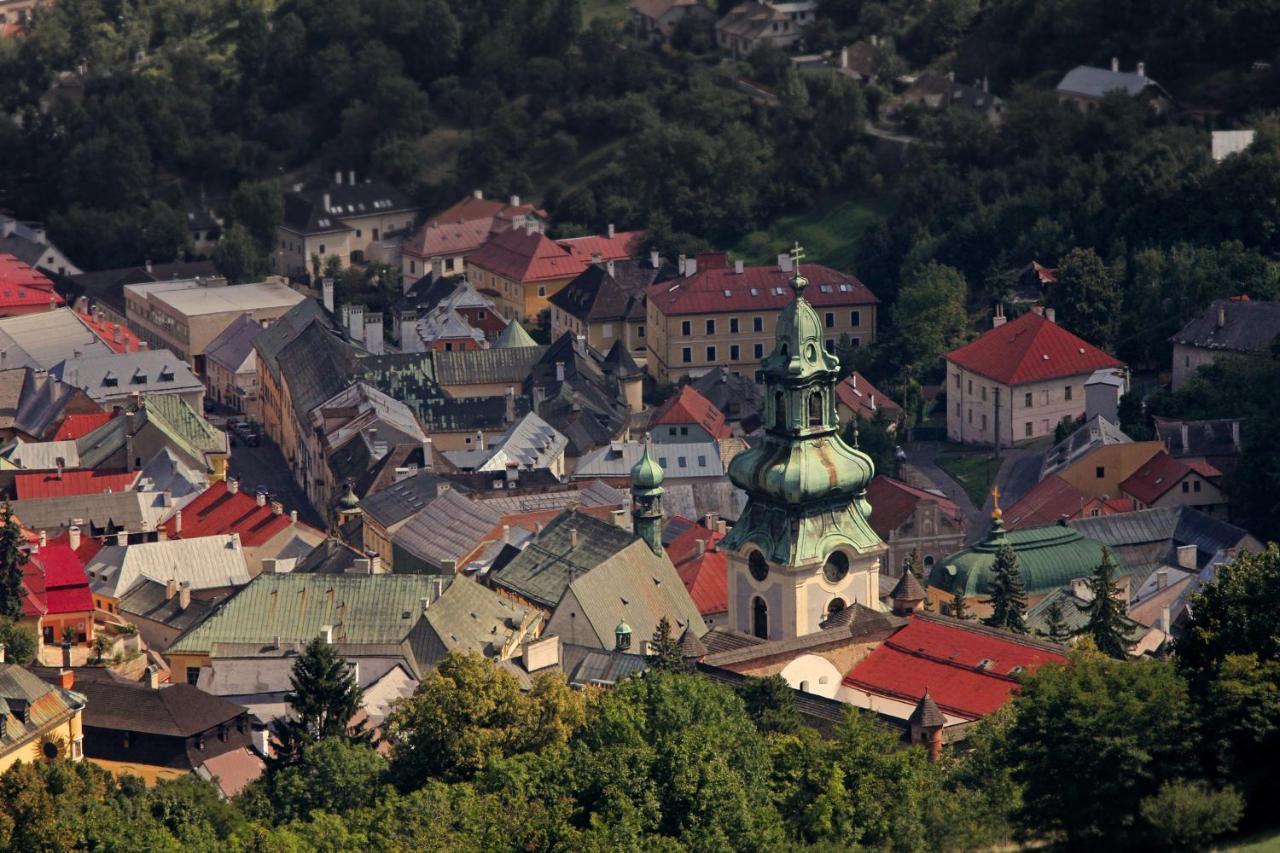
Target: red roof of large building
51, 484
704, 569
115, 335
1054, 499
526, 256
690, 407
969, 670
218, 511
23, 287
1161, 473
55, 582
714, 289
1030, 349
865, 399
893, 502
472, 208
78, 426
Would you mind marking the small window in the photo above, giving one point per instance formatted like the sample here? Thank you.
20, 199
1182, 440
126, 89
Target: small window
1026, 400
682, 462
639, 331
684, 430
956, 377
829, 320
711, 327
193, 675
757, 324
733, 352
542, 290
686, 328
1197, 484
686, 355
855, 318
711, 354
671, 430
970, 386
984, 393
733, 325
1066, 393
702, 462
984, 421
1100, 472
1186, 486
1026, 429
759, 351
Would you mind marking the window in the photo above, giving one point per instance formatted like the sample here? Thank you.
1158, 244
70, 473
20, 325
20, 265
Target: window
971, 416
358, 233
928, 561
448, 347
815, 409
322, 248
757, 324
970, 386
639, 331
984, 393
681, 462
984, 421
829, 320
956, 377
542, 290
1066, 393
957, 410
480, 315
702, 462
711, 354
1100, 472
1197, 485
836, 567
1186, 486
855, 318
759, 351
413, 267
711, 327
1044, 397
606, 330
686, 355
759, 617
1026, 429
375, 233
1026, 400
684, 430
733, 352
193, 675
733, 325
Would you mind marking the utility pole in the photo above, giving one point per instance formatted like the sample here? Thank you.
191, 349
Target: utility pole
996, 388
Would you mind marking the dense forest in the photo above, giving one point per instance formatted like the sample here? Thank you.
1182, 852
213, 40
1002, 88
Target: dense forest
1100, 753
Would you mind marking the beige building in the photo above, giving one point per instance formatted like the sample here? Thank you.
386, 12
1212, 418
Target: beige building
1164, 481
442, 244
185, 317
1097, 458
1019, 380
715, 315
231, 368
606, 304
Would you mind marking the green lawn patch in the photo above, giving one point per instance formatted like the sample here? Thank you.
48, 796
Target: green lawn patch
1267, 841
613, 11
829, 231
974, 472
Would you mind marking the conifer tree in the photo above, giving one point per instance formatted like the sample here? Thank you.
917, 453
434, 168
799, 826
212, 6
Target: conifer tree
1008, 598
1107, 612
959, 607
323, 699
664, 651
10, 565
1055, 623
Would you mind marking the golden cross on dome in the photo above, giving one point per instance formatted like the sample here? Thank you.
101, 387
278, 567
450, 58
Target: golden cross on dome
797, 255
996, 512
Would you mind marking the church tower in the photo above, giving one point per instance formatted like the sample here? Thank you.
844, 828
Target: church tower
646, 499
803, 547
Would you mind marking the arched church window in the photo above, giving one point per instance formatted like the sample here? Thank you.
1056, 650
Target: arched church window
779, 411
758, 566
836, 567
759, 618
815, 409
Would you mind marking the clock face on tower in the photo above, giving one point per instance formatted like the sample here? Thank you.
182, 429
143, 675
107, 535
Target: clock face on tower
758, 566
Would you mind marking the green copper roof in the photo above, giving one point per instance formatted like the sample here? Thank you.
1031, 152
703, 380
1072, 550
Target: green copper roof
798, 352
801, 470
647, 474
1049, 557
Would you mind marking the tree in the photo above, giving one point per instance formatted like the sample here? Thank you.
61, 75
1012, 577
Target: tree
873, 438
1008, 597
771, 703
664, 651
1055, 624
1086, 297
1187, 816
19, 643
237, 255
929, 317
11, 560
1091, 738
259, 207
1235, 615
1240, 717
959, 607
332, 775
322, 700
1107, 623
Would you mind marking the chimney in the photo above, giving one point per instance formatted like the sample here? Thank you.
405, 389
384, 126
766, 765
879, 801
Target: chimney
1235, 433
67, 678
1187, 557
426, 453
143, 345
511, 404
620, 518
326, 634
66, 655
362, 566
337, 177
375, 563
844, 57
373, 340
1185, 430
437, 267
325, 203
655, 259
351, 175
260, 498
784, 262
277, 508
170, 589
293, 516
1166, 621
573, 537
699, 547
233, 486
611, 231
153, 677
147, 264
710, 520
1142, 69
184, 595
691, 266
44, 539
355, 322
477, 194
680, 261
515, 201
1050, 315
1162, 578
1115, 63
326, 289
1222, 314
73, 538
999, 319
559, 371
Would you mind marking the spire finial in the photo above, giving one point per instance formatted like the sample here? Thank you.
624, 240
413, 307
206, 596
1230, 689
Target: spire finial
798, 281
995, 500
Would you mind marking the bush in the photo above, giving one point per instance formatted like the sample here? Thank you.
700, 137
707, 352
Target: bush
1188, 815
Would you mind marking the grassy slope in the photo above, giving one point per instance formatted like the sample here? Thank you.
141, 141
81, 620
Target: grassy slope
609, 10
828, 230
973, 472
1265, 842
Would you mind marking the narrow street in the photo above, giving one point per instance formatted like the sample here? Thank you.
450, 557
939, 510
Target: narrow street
265, 467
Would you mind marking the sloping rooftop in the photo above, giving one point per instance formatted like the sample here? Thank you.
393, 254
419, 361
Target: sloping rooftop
596, 297
1053, 499
218, 511
513, 336
615, 460
529, 444
43, 339
150, 599
468, 617
893, 502
1092, 434
1165, 528
53, 484
864, 399
1155, 477
279, 334
765, 288
1095, 82
449, 528
118, 375
506, 366
687, 406
400, 500
305, 211
29, 705
192, 299
1206, 438
1049, 557
234, 345
1030, 349
573, 544
210, 562
316, 365
703, 568
737, 397
1233, 325
131, 511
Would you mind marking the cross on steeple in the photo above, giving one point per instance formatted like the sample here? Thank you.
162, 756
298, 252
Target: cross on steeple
797, 255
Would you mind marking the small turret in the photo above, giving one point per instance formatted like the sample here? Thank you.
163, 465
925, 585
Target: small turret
926, 723
622, 637
646, 498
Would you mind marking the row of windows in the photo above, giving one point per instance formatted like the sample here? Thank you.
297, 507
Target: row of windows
757, 324
1027, 397
735, 353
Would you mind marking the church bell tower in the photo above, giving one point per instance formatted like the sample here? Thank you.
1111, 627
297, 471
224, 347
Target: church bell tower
803, 548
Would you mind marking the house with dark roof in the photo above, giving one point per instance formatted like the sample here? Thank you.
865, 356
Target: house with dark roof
268, 347
34, 403
913, 520
1019, 380
1237, 326
751, 24
1164, 481
586, 398
657, 19
443, 536
714, 314
1086, 86
605, 304
437, 312
354, 221
1072, 602
29, 242
856, 396
388, 509
160, 423
118, 378
1216, 440
231, 368
314, 366
687, 417
442, 244
737, 397
163, 611
38, 721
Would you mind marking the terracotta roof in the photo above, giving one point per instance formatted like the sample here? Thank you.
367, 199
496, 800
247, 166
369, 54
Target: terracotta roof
865, 399
21, 286
117, 336
1053, 499
719, 289
620, 246
217, 511
472, 208
893, 502
690, 407
51, 484
55, 578
1161, 473
447, 238
1030, 349
705, 574
78, 426
969, 670
521, 255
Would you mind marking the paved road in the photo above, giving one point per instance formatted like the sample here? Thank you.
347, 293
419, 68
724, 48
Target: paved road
265, 466
1019, 473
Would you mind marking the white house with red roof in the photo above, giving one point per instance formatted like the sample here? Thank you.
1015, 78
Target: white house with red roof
56, 593
443, 243
688, 416
716, 314
1165, 481
1019, 380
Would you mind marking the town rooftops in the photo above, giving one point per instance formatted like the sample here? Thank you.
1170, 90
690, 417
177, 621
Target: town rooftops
751, 20
1053, 499
1162, 472
1048, 556
288, 326
1088, 437
529, 444
43, 339
573, 544
468, 617
449, 239
715, 289
1030, 349
1093, 82
54, 484
857, 393
616, 459
688, 407
33, 402
703, 568
477, 207
29, 705
219, 511
153, 600
56, 583
450, 527
528, 256
192, 299
508, 366
1153, 536
402, 499
513, 336
77, 426
968, 670
1219, 437
320, 206
1233, 325
209, 562
22, 288
893, 502
233, 346
596, 297
116, 375
127, 510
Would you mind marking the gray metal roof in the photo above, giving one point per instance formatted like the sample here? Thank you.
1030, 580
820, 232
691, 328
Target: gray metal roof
44, 339
513, 336
592, 493
234, 345
206, 562
691, 459
1094, 433
1245, 326
280, 333
1097, 82
39, 455
147, 599
316, 365
572, 544
400, 500
509, 366
449, 528
1165, 528
119, 375
468, 618
529, 444
131, 511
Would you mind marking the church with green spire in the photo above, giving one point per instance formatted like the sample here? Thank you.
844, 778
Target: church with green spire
803, 547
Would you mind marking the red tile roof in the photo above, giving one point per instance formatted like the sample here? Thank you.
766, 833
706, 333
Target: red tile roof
50, 484
521, 255
968, 669
705, 575
1160, 474
1048, 501
115, 335
719, 289
56, 582
893, 502
864, 399
78, 426
22, 287
622, 245
1030, 349
472, 208
446, 239
218, 512
690, 407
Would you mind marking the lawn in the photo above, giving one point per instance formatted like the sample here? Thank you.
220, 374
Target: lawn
974, 472
1264, 842
613, 11
829, 231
